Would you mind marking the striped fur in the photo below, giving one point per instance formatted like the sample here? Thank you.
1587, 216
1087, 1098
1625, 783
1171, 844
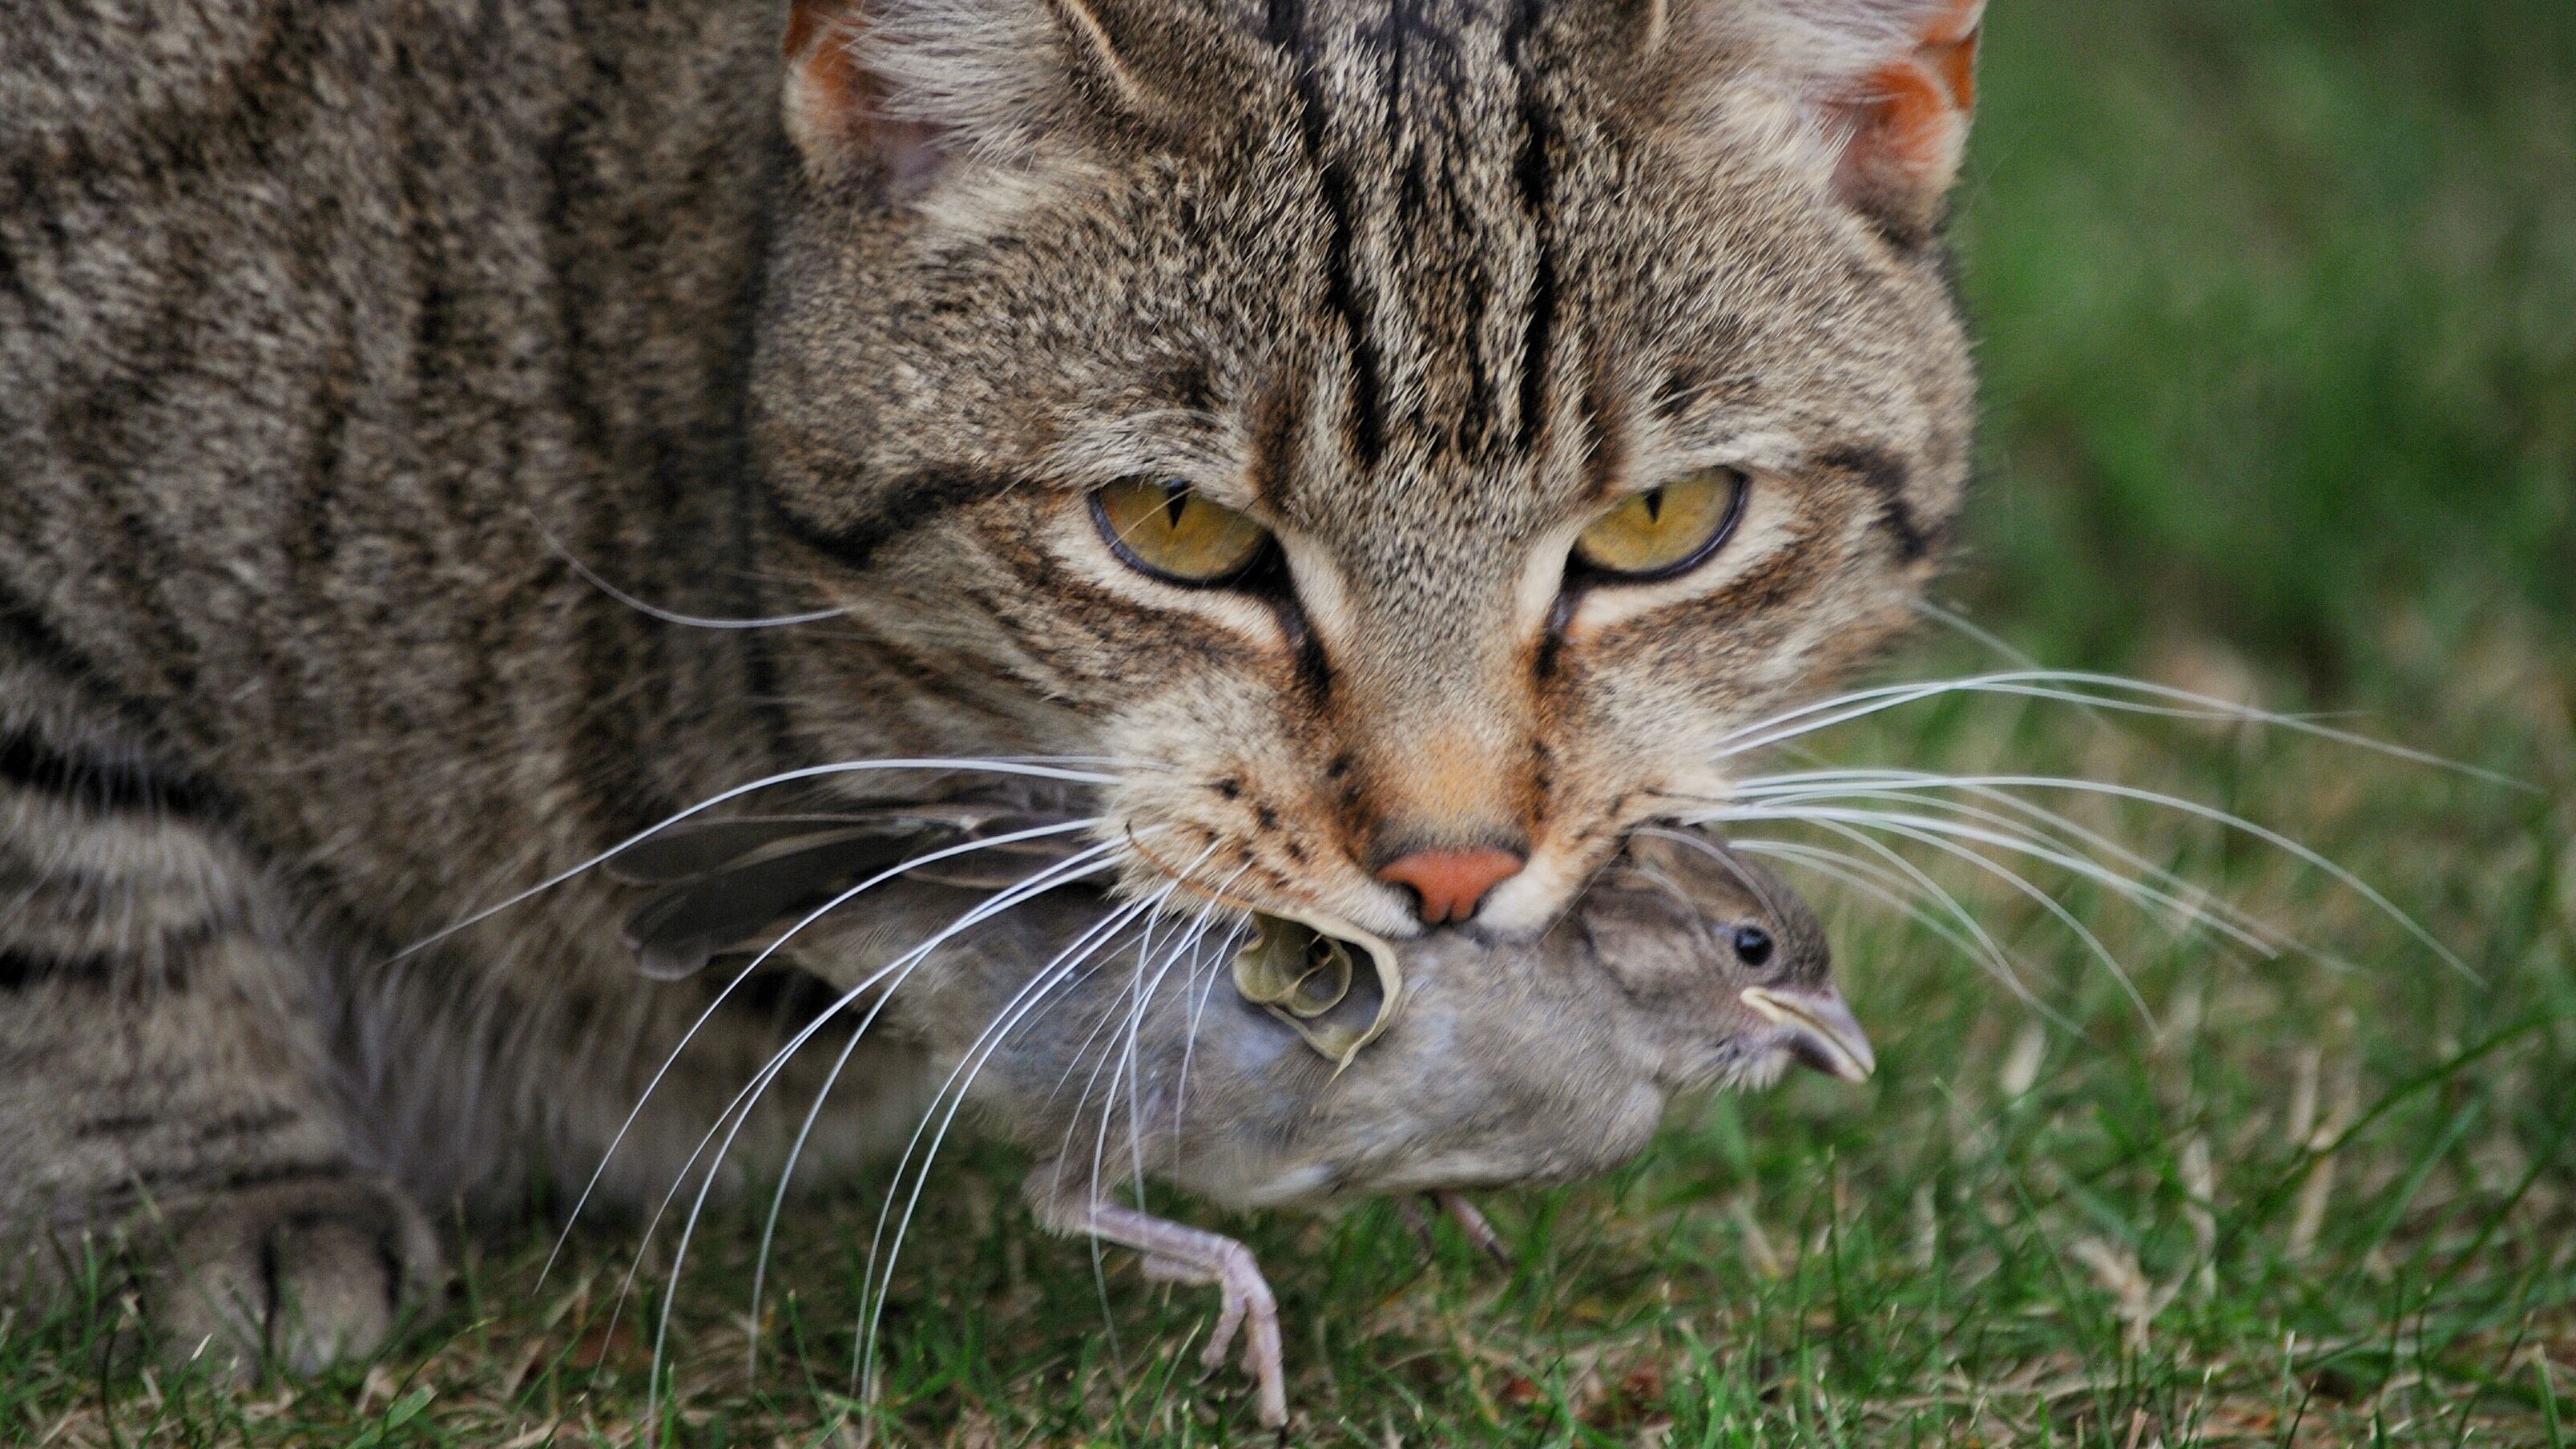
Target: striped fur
318, 320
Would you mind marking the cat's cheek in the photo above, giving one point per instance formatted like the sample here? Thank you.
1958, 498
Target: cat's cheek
1225, 785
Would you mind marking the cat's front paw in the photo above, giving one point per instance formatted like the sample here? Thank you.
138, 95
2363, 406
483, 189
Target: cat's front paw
297, 1274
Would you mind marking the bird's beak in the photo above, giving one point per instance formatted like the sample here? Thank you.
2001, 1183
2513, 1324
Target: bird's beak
1823, 1033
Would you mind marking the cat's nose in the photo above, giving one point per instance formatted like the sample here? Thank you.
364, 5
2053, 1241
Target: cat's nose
1450, 884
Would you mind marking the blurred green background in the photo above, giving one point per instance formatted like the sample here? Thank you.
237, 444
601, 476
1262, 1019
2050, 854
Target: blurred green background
2277, 308
2278, 303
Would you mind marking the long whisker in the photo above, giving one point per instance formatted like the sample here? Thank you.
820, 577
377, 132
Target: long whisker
1879, 881
2259, 831
1867, 877
1994, 950
668, 616
1141, 995
713, 1006
2066, 686
1036, 767
795, 1154
736, 1110
1199, 1000
1934, 832
1976, 633
1104, 1024
2197, 902
1179, 878
1186, 939
1213, 897
1681, 896
954, 1090
1135, 994
2152, 894
739, 1110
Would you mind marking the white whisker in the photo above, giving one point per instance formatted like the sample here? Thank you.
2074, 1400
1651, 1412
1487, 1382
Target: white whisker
739, 1110
1185, 939
668, 616
1970, 630
1033, 767
2066, 686
954, 1091
1889, 887
1994, 951
2195, 900
1934, 832
1868, 877
2156, 894
2264, 833
704, 1016
1199, 996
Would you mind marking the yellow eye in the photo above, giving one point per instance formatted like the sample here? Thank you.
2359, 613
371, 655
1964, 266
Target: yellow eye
1661, 532
1169, 531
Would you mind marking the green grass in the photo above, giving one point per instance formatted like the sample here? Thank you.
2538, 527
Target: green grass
2279, 309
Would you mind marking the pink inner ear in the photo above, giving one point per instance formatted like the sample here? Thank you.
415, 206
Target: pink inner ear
1911, 116
837, 109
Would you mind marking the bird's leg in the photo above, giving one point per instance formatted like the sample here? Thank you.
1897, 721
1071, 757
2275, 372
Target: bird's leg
1178, 1253
1460, 1211
1473, 1224
1417, 1221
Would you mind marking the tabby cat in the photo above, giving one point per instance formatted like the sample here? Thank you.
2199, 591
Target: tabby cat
1391, 442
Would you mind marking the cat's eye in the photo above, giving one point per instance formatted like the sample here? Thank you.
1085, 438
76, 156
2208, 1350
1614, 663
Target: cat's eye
1666, 529
1164, 528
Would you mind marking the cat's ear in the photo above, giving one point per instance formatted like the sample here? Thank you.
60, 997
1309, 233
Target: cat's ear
1904, 124
900, 88
836, 106
1889, 84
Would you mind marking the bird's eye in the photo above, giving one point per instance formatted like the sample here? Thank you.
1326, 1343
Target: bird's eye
1752, 945
1667, 529
1165, 529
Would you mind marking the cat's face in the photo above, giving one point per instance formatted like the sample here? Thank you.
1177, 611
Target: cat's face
1387, 430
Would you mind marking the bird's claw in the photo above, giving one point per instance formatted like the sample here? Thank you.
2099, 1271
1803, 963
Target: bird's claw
1176, 1253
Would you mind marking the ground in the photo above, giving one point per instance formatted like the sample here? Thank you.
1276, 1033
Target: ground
2275, 299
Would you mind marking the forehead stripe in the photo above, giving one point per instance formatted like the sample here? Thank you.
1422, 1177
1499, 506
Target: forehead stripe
1285, 27
910, 501
1534, 179
1886, 475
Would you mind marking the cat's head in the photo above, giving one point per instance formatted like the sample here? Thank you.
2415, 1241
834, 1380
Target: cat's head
1410, 434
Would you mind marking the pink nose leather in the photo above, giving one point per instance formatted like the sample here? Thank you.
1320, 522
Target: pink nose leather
1451, 883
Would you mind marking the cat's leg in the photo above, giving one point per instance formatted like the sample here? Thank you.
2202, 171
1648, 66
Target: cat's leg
163, 1084
1178, 1253
623, 1094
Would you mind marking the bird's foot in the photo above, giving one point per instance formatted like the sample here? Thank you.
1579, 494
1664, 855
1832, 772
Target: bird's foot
1177, 1253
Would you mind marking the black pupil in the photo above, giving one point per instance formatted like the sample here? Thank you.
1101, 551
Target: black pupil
1752, 945
1176, 501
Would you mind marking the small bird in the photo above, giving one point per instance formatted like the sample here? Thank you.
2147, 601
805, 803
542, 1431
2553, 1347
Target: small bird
1276, 1066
